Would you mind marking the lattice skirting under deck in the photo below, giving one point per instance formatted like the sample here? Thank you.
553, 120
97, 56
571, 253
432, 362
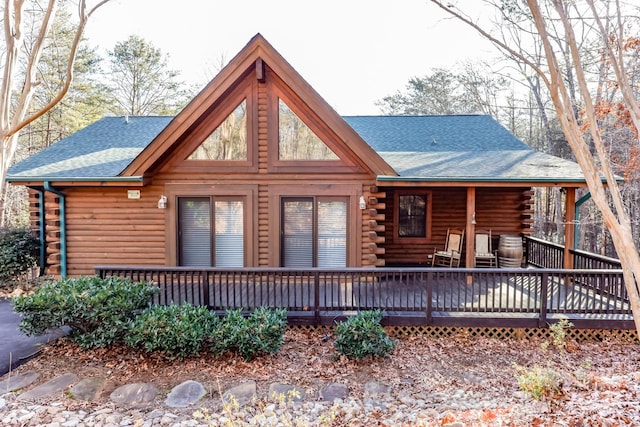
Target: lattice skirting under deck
578, 335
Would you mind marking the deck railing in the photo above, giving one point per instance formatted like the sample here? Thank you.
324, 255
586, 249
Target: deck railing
408, 296
543, 254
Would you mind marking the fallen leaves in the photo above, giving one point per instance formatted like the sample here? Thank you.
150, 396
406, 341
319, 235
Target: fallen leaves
601, 380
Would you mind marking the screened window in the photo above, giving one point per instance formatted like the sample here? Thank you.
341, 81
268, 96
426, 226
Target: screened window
228, 141
314, 232
211, 232
296, 140
412, 215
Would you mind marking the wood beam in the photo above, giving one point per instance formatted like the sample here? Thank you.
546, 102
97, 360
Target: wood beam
570, 226
260, 70
470, 227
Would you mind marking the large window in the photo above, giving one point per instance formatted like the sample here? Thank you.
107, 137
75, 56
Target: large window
296, 141
314, 232
228, 141
413, 215
211, 231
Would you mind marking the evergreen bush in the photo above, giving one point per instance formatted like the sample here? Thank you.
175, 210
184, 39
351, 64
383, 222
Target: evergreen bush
19, 251
362, 335
260, 333
97, 310
177, 331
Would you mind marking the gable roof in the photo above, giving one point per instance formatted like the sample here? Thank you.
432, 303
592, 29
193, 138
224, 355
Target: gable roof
249, 60
419, 148
396, 148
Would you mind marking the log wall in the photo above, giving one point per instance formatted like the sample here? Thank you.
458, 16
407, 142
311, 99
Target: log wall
501, 210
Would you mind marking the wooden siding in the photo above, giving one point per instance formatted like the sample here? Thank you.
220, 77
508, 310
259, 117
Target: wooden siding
105, 227
103, 224
502, 210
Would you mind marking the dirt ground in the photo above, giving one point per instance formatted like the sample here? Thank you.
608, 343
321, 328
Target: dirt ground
598, 381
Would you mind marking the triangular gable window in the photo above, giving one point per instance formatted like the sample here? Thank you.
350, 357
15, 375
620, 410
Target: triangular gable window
296, 140
228, 141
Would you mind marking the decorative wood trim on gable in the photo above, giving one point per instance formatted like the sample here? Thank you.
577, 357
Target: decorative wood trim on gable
347, 161
178, 162
247, 64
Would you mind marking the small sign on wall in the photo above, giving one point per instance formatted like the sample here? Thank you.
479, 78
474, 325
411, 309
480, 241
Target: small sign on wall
133, 194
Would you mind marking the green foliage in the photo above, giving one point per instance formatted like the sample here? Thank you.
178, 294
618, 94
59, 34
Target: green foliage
361, 336
18, 252
141, 82
178, 331
538, 382
97, 310
260, 333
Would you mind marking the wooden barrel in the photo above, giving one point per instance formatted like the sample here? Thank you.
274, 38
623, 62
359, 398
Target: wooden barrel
510, 252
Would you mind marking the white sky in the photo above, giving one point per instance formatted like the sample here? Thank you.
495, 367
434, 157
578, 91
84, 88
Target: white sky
353, 52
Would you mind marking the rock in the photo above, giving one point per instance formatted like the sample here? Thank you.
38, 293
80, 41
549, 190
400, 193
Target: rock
241, 394
49, 388
17, 382
334, 391
290, 393
373, 388
87, 389
134, 394
185, 394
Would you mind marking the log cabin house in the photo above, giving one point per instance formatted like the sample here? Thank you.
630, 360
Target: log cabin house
259, 171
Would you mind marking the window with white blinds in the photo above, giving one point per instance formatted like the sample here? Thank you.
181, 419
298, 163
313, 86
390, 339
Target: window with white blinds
210, 232
229, 233
332, 233
314, 232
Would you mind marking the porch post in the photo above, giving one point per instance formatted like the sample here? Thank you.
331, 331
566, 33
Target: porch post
570, 226
470, 227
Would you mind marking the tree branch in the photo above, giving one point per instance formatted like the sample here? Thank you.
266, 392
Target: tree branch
84, 17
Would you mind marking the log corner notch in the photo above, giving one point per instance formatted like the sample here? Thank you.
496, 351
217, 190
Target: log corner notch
373, 228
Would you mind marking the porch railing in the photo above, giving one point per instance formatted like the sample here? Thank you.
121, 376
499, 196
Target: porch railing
416, 296
543, 254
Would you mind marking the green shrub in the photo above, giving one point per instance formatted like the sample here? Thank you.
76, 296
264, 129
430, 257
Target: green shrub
19, 251
362, 335
260, 333
178, 331
97, 310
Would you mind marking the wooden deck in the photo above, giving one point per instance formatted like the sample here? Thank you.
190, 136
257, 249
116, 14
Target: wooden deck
408, 296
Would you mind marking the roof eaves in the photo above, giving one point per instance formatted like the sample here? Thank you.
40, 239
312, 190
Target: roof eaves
386, 178
75, 179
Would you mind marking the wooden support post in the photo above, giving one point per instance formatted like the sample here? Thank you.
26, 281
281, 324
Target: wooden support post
470, 227
570, 226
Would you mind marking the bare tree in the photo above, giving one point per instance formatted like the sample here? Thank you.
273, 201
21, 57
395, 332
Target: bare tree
16, 94
583, 133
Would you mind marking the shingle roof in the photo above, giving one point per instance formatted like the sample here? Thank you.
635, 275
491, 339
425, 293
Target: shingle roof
100, 150
458, 147
470, 147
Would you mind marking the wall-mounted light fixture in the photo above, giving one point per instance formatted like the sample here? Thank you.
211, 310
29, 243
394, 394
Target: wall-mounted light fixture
363, 203
162, 203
